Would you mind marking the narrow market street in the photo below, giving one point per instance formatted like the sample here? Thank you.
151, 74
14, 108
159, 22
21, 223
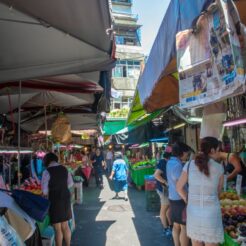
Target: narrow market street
101, 220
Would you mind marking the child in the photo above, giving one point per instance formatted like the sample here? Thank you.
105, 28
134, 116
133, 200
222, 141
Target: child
119, 174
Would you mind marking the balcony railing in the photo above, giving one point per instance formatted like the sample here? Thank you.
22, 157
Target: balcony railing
122, 1
119, 14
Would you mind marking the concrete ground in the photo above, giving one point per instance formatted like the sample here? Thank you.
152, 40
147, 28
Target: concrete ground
101, 220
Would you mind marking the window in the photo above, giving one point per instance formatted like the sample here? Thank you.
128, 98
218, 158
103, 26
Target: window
127, 68
119, 103
132, 41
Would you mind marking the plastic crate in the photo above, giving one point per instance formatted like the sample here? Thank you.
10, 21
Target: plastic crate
152, 201
150, 185
153, 206
152, 195
149, 177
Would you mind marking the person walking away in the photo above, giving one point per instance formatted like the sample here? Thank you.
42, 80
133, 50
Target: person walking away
109, 160
119, 174
180, 152
56, 182
98, 165
205, 178
162, 190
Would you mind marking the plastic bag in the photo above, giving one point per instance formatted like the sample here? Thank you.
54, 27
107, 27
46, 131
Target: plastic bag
35, 206
8, 236
61, 130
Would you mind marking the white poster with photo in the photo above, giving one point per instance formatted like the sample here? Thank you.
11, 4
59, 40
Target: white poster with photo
209, 62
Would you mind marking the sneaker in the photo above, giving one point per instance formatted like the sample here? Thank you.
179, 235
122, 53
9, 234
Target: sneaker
168, 232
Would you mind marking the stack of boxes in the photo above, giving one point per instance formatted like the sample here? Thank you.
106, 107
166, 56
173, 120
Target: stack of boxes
152, 198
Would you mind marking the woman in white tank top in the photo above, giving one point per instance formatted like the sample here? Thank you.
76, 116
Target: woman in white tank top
204, 176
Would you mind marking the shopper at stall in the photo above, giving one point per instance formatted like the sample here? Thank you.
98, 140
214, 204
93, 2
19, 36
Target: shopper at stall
158, 155
56, 181
85, 159
98, 164
180, 152
204, 176
119, 174
162, 190
109, 160
92, 153
25, 168
233, 166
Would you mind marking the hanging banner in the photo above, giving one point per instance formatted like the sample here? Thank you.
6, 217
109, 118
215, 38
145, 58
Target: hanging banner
209, 61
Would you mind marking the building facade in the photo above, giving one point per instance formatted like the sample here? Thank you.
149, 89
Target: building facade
129, 54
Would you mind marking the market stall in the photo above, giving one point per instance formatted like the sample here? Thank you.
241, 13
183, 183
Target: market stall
233, 208
139, 169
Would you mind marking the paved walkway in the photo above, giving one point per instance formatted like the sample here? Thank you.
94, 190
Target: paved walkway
100, 220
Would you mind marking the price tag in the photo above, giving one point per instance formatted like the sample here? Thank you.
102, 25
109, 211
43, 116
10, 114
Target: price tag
239, 184
225, 182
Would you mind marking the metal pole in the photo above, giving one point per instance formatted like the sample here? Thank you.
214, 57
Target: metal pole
45, 123
19, 133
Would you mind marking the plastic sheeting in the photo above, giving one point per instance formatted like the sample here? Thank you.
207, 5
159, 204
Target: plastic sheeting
157, 89
179, 16
138, 135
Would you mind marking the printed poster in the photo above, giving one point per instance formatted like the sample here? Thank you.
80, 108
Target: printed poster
209, 62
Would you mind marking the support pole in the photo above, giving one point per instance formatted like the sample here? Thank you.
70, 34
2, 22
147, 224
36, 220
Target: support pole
19, 134
45, 123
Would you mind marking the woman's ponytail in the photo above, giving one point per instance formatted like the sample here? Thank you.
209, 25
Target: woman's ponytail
201, 161
202, 158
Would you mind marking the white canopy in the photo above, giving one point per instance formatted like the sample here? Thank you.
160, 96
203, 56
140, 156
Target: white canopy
49, 38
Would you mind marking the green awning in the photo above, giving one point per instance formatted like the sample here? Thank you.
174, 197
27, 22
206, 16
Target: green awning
111, 127
144, 145
137, 111
145, 118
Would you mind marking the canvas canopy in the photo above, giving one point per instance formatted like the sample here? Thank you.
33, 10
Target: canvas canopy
49, 38
38, 99
138, 135
78, 121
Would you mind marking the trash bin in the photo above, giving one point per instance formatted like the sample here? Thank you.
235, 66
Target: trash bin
78, 190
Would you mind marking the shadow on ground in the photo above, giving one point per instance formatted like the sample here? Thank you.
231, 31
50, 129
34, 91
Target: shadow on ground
147, 224
89, 231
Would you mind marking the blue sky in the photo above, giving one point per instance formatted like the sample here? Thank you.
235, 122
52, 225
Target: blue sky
150, 13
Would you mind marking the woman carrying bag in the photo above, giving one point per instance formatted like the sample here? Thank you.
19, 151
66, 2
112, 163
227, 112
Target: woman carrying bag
205, 178
56, 182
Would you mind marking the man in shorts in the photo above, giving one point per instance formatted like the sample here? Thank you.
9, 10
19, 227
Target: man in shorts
162, 190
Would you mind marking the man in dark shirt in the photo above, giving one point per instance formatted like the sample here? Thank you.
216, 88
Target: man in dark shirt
98, 165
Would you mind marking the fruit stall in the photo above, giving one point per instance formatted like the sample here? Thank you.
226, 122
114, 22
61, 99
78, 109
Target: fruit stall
34, 186
233, 209
140, 169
